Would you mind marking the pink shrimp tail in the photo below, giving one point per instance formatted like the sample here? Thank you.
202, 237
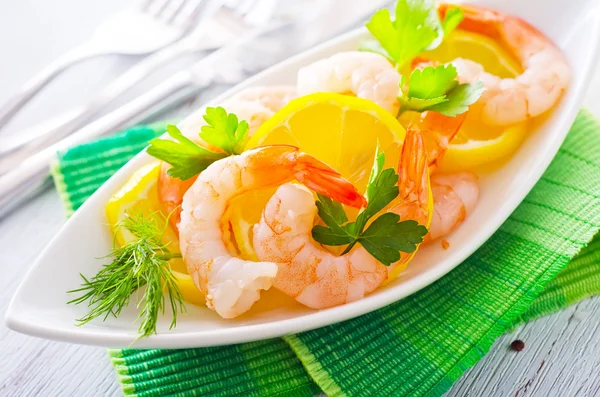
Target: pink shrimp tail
273, 163
413, 164
438, 130
421, 62
516, 35
170, 194
323, 179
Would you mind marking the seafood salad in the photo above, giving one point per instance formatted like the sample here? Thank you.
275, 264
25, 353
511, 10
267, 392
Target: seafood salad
325, 189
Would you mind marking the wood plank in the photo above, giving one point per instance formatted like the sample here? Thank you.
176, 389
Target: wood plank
561, 358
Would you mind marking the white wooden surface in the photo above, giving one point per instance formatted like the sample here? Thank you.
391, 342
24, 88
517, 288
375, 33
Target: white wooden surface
562, 353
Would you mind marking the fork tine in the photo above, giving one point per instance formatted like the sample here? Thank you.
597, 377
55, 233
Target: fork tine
186, 12
171, 9
155, 7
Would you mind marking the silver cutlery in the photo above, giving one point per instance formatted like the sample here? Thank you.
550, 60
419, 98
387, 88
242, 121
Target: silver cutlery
141, 29
231, 21
232, 63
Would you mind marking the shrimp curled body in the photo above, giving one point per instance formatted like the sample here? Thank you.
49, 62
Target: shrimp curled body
314, 276
254, 105
454, 197
546, 73
365, 74
232, 285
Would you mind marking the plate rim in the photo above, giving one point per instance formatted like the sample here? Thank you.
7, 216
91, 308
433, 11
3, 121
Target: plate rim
316, 319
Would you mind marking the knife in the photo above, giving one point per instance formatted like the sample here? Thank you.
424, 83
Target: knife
301, 26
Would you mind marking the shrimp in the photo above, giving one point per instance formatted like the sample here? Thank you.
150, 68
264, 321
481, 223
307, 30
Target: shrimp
232, 285
365, 74
314, 276
454, 197
511, 100
273, 98
437, 130
255, 105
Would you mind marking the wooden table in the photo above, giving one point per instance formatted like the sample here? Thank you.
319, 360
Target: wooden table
562, 353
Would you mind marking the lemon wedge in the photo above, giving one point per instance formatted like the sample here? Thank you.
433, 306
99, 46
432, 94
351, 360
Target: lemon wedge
477, 143
341, 130
479, 48
139, 195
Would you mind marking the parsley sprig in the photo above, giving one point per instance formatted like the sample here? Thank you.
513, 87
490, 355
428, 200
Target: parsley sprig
223, 130
415, 28
386, 236
436, 89
140, 265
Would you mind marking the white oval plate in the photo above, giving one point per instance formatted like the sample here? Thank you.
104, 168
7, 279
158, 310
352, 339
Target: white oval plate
39, 307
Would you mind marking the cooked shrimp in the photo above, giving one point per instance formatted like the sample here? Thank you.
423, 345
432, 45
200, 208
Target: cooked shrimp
364, 74
170, 194
454, 197
273, 98
545, 77
437, 130
314, 276
255, 105
232, 285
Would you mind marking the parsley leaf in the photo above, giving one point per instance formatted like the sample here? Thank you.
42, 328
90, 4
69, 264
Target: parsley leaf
224, 130
432, 82
415, 28
333, 214
381, 189
333, 236
459, 99
185, 156
331, 211
372, 45
386, 236
436, 88
453, 18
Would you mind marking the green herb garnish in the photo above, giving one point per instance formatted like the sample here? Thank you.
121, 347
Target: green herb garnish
436, 89
187, 158
416, 28
386, 236
142, 263
453, 18
225, 131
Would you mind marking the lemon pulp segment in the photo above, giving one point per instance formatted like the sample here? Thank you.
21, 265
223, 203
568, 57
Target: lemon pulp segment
341, 130
478, 143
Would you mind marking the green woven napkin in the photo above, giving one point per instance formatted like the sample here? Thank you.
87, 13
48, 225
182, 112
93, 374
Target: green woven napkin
418, 346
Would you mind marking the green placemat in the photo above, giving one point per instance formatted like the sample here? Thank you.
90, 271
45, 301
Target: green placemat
418, 346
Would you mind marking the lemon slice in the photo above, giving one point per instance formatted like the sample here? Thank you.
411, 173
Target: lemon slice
479, 48
341, 130
477, 143
243, 213
139, 195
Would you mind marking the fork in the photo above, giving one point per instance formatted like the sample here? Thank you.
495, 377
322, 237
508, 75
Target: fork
140, 29
231, 21
30, 175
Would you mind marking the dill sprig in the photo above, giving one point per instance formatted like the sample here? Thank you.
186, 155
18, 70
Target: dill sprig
142, 262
